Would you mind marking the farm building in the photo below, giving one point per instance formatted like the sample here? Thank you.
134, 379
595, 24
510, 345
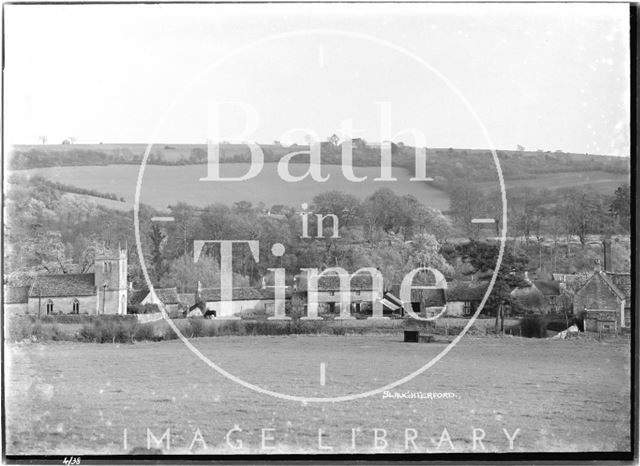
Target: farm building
363, 290
426, 303
167, 296
243, 299
604, 302
463, 298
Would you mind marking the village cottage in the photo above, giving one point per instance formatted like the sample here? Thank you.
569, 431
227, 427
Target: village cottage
362, 291
463, 298
604, 302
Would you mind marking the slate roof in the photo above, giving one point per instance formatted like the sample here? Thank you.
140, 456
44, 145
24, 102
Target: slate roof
548, 287
331, 282
165, 295
467, 291
63, 285
269, 292
622, 281
136, 296
239, 294
16, 294
168, 295
608, 280
188, 299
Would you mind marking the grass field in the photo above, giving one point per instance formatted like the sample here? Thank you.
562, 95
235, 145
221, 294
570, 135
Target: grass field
166, 185
563, 395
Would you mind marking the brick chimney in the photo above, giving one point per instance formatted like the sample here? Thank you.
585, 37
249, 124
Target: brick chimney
606, 251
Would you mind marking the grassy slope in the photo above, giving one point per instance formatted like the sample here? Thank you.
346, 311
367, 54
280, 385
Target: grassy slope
570, 173
165, 185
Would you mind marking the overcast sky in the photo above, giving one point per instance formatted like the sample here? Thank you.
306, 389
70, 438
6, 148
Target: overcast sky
542, 76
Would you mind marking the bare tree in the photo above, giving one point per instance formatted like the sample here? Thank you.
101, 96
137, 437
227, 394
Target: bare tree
72, 139
43, 139
334, 139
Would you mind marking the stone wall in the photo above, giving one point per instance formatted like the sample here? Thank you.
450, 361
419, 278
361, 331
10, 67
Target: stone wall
63, 305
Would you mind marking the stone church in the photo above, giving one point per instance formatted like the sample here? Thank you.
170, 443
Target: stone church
102, 292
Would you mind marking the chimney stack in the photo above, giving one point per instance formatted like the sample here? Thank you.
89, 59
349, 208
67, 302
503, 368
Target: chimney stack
598, 265
606, 248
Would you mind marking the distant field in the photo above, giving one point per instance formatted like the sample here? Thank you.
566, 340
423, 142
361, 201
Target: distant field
78, 398
599, 181
166, 185
166, 152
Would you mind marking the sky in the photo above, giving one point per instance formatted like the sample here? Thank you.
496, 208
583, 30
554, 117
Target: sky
542, 76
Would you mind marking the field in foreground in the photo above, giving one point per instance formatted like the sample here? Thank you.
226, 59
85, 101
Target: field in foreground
66, 398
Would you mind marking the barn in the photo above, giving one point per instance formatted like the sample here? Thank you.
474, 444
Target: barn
243, 299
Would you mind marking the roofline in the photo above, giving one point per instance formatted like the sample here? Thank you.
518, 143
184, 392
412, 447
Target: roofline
607, 281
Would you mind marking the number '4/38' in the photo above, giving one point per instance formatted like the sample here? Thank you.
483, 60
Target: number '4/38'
71, 461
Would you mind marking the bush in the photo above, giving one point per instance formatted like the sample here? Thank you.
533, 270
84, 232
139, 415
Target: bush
109, 331
144, 332
533, 327
196, 327
18, 329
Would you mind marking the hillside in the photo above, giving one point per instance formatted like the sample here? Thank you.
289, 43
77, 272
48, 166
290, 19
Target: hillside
183, 165
166, 185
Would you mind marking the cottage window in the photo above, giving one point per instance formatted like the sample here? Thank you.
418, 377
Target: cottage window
467, 308
76, 306
332, 293
49, 307
358, 292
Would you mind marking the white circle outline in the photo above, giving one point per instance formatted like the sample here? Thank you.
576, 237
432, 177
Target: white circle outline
436, 358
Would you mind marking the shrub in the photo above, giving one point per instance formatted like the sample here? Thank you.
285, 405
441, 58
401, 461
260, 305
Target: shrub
18, 329
144, 332
89, 332
197, 327
533, 327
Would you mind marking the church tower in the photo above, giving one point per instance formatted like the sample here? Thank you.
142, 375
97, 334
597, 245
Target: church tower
110, 270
